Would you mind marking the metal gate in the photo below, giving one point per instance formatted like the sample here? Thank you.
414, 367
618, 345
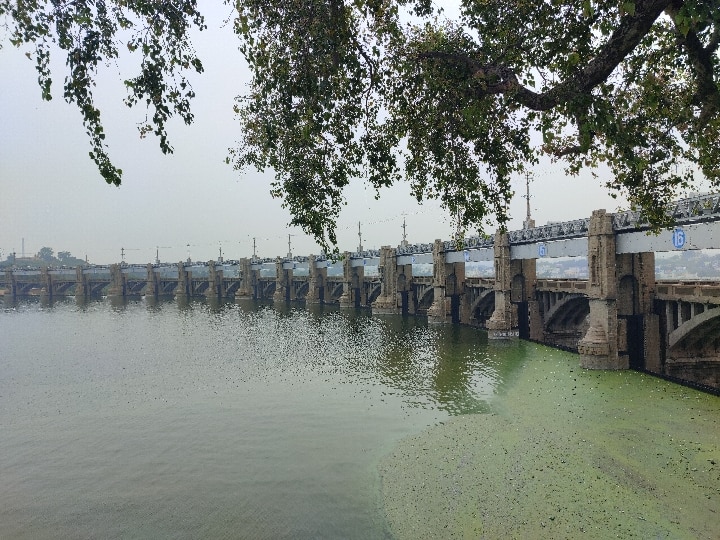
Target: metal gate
523, 320
635, 340
455, 308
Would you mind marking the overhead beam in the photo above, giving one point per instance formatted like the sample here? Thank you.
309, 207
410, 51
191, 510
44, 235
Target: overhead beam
681, 238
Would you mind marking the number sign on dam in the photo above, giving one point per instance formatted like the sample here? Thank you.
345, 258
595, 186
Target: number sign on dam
620, 317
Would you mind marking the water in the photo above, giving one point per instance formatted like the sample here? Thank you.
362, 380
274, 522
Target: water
207, 420
219, 421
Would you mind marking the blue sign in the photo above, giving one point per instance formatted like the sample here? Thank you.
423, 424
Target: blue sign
542, 250
678, 238
412, 259
466, 254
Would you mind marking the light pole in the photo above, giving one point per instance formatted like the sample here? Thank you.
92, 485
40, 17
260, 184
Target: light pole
528, 220
157, 253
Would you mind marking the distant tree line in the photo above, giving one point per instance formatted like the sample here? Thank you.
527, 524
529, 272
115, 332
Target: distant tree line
43, 258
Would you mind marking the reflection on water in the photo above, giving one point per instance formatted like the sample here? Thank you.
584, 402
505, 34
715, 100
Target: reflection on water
195, 419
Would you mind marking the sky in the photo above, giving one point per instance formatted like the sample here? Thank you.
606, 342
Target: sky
192, 204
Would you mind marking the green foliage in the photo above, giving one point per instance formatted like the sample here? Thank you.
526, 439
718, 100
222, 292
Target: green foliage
93, 32
66, 258
387, 90
348, 89
44, 258
46, 254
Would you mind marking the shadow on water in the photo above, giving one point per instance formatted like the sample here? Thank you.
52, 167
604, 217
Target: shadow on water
450, 367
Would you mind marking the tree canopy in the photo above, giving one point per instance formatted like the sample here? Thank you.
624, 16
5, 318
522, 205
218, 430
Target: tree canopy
391, 89
46, 254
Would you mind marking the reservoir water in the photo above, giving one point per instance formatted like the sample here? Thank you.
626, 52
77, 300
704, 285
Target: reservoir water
202, 420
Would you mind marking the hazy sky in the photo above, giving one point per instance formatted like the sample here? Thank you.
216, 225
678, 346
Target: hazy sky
52, 195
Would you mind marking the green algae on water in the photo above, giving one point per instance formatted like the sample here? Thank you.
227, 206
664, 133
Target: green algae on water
564, 453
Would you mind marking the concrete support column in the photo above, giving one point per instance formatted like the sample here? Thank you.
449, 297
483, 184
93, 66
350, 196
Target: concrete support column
117, 282
466, 301
282, 282
683, 313
346, 299
668, 318
152, 288
290, 284
653, 355
215, 282
405, 289
313, 294
318, 282
386, 302
599, 347
11, 284
46, 284
438, 310
182, 291
245, 289
359, 294
503, 322
81, 287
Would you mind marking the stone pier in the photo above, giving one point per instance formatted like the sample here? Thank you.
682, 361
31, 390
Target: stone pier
152, 286
448, 287
283, 283
215, 282
317, 278
117, 282
621, 289
182, 291
503, 323
81, 285
387, 301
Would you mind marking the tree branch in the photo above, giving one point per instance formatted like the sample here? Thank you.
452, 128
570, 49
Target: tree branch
501, 79
707, 96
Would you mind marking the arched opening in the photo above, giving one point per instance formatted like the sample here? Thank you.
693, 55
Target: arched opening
374, 293
567, 321
302, 290
483, 307
426, 300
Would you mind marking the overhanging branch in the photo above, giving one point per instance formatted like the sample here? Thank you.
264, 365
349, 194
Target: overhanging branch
502, 79
707, 96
